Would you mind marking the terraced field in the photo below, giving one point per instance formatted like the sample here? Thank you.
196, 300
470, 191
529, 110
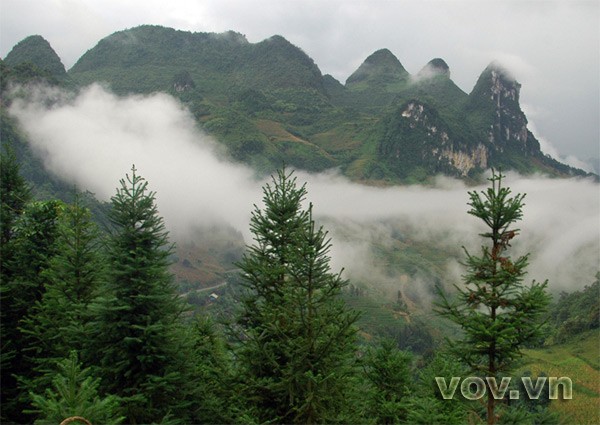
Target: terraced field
579, 359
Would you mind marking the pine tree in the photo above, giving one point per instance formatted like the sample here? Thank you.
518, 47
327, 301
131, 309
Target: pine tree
298, 336
497, 313
59, 322
213, 401
14, 195
74, 393
139, 338
388, 370
427, 405
32, 247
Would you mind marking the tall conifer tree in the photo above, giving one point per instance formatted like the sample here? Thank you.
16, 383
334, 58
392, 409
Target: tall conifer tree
32, 247
59, 321
139, 331
73, 397
298, 336
497, 313
388, 371
14, 196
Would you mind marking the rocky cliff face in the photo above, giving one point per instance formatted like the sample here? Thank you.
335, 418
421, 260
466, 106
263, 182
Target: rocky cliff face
510, 124
464, 160
485, 129
496, 96
420, 134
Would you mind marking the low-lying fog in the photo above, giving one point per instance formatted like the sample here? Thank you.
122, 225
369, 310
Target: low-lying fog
93, 138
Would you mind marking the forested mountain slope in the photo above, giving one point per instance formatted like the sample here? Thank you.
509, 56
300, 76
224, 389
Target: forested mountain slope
269, 103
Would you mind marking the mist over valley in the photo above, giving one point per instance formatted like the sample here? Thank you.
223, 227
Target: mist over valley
92, 139
198, 227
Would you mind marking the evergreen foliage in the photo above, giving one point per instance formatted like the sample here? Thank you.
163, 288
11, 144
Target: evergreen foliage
32, 248
294, 359
576, 312
389, 372
139, 343
37, 51
298, 338
14, 195
497, 313
74, 392
212, 397
427, 406
59, 321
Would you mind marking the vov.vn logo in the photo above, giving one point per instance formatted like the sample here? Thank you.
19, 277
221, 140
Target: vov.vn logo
474, 387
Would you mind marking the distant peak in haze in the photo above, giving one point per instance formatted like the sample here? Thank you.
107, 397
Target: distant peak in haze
382, 64
384, 57
500, 70
496, 83
35, 49
434, 68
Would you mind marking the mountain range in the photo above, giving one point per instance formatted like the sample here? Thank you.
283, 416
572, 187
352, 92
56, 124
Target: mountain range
269, 104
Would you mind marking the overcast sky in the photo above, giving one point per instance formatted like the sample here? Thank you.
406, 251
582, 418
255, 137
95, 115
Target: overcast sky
552, 47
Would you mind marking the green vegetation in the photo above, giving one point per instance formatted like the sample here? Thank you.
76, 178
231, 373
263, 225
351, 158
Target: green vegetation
93, 324
99, 331
388, 371
576, 312
298, 336
497, 313
137, 335
579, 359
74, 393
31, 249
232, 86
37, 51
60, 321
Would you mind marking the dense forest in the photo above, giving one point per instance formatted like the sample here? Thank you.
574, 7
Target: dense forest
93, 325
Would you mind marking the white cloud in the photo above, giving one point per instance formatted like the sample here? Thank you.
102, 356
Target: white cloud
547, 147
94, 137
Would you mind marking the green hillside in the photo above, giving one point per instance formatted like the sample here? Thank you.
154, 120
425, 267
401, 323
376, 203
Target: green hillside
269, 103
578, 359
36, 50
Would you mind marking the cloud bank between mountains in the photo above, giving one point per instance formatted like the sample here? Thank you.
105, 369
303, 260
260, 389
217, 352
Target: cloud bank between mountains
93, 138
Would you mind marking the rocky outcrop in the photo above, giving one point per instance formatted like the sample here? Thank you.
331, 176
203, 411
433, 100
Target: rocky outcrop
496, 96
465, 161
417, 135
444, 148
183, 82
